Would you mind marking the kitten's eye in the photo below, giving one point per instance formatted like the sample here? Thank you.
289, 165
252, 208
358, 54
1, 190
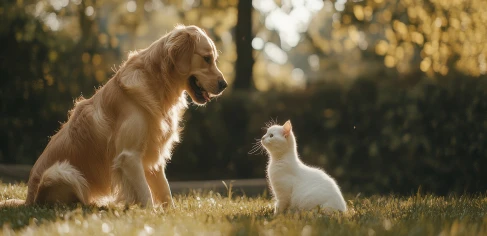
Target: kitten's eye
271, 135
207, 59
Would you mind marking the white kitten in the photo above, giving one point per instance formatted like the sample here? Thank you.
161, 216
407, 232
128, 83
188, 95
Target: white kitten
294, 184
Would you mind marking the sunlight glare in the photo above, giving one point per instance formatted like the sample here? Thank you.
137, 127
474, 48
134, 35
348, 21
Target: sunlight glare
315, 5
339, 7
314, 62
297, 74
289, 23
264, 6
289, 38
52, 21
302, 17
89, 11
275, 19
328, 5
362, 41
286, 26
257, 43
298, 78
131, 6
39, 9
297, 3
58, 4
275, 53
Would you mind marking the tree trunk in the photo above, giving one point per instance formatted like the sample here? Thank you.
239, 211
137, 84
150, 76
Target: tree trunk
245, 60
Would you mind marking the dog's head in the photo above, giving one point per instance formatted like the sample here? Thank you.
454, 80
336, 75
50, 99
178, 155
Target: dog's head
193, 56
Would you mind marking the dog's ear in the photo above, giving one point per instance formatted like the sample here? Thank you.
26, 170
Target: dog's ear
181, 45
287, 128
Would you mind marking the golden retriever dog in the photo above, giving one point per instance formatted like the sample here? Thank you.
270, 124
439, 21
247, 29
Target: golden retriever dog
117, 142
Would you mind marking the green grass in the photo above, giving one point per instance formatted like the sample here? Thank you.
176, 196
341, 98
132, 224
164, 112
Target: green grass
213, 214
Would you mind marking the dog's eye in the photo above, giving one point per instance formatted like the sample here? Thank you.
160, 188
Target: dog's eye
271, 135
207, 59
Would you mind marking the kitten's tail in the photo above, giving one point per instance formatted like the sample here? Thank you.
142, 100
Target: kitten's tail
339, 204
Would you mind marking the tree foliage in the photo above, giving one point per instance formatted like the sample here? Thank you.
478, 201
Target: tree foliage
346, 39
433, 35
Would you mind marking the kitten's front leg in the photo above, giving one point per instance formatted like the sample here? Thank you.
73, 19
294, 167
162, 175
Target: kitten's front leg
281, 206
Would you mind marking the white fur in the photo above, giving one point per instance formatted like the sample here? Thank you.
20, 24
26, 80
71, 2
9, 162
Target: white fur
294, 184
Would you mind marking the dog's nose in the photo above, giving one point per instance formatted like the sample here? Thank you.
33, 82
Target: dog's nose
222, 84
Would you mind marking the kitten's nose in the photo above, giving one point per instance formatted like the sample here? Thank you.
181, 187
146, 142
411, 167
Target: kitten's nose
222, 84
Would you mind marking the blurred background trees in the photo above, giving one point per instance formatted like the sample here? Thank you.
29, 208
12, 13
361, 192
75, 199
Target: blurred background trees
243, 37
384, 95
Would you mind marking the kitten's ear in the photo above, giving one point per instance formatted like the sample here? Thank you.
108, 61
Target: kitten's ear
287, 128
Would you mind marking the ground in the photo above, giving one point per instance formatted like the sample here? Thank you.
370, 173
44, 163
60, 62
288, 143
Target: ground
213, 214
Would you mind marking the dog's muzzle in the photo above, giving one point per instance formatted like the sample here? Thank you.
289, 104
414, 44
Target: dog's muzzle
222, 84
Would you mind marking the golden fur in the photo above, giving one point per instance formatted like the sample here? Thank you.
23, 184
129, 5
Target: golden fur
116, 143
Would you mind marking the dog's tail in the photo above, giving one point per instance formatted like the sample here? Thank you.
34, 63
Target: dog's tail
62, 182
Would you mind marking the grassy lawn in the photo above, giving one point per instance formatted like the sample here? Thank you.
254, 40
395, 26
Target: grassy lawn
214, 214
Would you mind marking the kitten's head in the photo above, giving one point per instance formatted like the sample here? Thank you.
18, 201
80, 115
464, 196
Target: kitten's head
278, 139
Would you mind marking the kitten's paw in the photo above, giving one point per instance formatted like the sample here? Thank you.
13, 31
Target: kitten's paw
279, 210
281, 207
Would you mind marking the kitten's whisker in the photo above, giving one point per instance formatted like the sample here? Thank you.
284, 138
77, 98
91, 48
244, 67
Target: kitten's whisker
271, 122
254, 150
267, 124
257, 147
256, 143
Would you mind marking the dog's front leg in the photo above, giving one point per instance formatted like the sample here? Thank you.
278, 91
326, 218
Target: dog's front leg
129, 177
132, 185
161, 193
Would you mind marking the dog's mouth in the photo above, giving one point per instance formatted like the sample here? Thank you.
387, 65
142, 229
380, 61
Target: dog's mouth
200, 94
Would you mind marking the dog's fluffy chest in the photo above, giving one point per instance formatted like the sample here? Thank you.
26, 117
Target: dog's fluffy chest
162, 139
